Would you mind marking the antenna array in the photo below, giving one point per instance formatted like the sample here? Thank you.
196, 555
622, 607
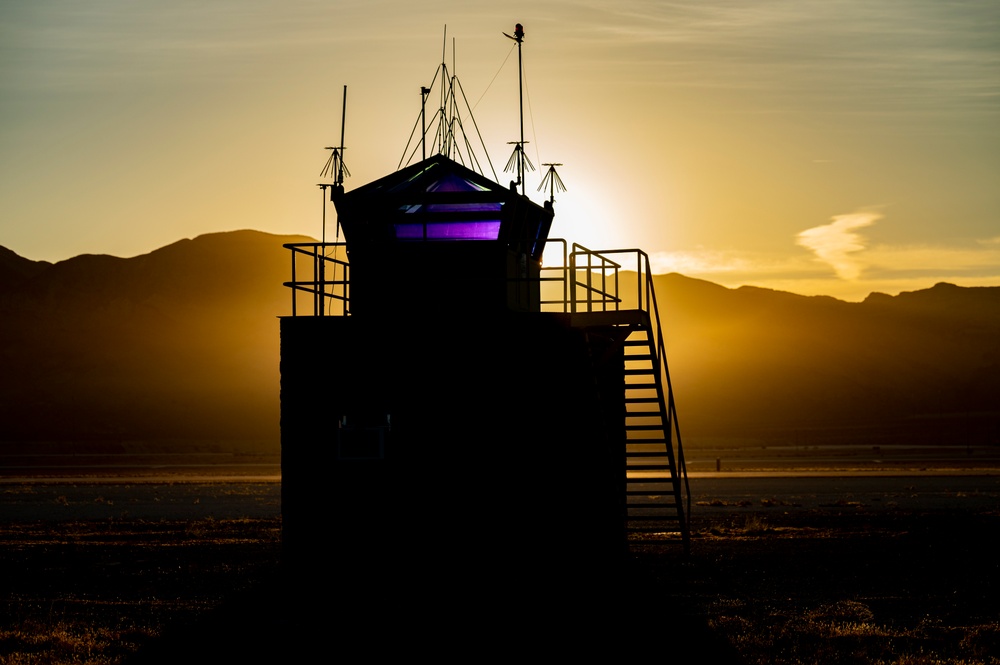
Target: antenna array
450, 137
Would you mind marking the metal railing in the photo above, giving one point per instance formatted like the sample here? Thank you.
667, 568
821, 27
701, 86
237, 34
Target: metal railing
326, 292
583, 281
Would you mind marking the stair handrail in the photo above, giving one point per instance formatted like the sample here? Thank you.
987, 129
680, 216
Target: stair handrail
661, 352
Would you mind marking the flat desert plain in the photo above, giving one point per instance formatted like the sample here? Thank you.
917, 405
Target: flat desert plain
832, 562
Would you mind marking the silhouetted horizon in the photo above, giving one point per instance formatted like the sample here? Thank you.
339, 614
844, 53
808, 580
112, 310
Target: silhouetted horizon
182, 344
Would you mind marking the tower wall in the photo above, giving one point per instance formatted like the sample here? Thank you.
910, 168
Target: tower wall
420, 279
470, 441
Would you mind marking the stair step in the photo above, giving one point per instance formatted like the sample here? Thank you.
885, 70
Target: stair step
647, 519
645, 357
665, 514
641, 386
663, 502
657, 486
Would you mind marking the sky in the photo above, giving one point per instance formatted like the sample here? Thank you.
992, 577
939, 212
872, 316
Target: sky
822, 147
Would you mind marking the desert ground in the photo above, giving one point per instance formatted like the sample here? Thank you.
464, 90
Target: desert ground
832, 562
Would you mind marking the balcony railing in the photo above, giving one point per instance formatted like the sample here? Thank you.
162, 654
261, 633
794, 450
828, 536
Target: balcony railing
321, 276
573, 279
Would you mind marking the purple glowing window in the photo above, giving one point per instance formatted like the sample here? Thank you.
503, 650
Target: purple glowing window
488, 229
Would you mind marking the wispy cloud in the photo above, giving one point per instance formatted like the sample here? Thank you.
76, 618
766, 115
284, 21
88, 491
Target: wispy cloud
837, 244
911, 57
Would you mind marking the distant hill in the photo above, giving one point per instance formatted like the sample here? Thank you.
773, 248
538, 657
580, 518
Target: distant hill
15, 270
182, 344
920, 367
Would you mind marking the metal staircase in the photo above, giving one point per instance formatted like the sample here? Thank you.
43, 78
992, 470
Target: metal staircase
657, 506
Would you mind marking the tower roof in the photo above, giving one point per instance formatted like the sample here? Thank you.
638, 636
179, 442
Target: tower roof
439, 199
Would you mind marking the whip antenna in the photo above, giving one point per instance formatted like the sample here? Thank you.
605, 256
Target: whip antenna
335, 169
518, 159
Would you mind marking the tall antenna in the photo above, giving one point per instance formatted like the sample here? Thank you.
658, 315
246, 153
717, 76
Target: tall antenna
518, 156
343, 121
444, 128
424, 92
334, 169
553, 181
449, 135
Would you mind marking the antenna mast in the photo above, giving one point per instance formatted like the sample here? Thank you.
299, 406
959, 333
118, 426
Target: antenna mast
424, 93
519, 35
450, 136
518, 158
335, 169
343, 121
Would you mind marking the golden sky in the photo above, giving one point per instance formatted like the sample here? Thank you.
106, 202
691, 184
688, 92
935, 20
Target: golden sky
828, 147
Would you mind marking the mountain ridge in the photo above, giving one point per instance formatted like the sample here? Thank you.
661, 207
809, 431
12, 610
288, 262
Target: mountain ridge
182, 343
